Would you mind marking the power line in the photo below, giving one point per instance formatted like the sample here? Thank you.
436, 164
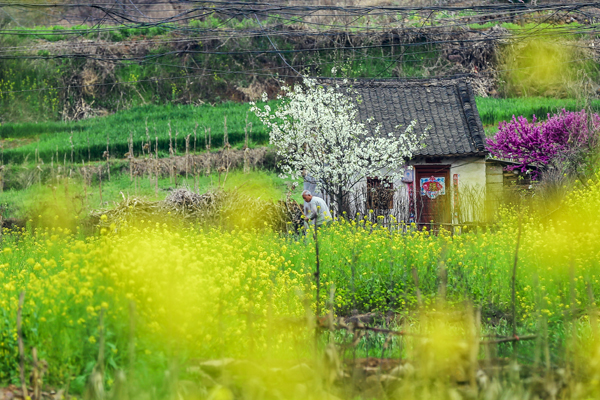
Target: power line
275, 47
484, 38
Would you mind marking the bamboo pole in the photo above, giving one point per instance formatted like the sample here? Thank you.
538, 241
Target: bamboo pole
107, 154
170, 141
156, 168
513, 288
21, 345
187, 156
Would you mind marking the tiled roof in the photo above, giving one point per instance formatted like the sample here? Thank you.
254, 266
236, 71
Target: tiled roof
446, 105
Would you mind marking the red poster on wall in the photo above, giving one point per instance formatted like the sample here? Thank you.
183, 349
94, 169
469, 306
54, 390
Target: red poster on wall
432, 204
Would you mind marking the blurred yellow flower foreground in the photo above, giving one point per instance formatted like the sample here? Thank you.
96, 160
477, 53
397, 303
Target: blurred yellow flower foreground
184, 294
220, 314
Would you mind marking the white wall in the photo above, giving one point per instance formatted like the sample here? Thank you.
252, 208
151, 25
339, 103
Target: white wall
471, 172
471, 185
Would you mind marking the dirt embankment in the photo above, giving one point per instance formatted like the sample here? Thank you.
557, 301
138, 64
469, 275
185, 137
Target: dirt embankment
192, 75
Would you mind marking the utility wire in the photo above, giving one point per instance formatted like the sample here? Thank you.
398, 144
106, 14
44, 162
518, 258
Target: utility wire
486, 38
243, 10
275, 47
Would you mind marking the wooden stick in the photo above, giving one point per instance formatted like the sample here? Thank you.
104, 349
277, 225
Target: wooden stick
85, 182
510, 339
170, 141
130, 156
131, 337
100, 183
513, 286
225, 135
386, 331
317, 275
107, 154
36, 375
156, 161
100, 362
318, 271
1, 178
361, 327
195, 136
418, 291
72, 147
21, 345
187, 157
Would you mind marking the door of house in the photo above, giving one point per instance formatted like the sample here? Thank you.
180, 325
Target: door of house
432, 187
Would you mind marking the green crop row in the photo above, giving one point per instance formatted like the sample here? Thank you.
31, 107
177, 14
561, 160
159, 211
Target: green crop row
87, 139
494, 110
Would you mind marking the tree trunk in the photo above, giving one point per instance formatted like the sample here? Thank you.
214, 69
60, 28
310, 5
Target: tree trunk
340, 202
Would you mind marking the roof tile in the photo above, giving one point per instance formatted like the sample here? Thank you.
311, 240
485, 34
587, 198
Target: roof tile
447, 105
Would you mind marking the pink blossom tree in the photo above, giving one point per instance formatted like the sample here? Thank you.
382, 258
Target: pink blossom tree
564, 141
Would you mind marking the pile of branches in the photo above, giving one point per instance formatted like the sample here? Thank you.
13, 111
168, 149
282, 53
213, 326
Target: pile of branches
218, 208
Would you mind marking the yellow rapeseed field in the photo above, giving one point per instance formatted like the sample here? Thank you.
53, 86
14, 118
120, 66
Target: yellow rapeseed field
158, 296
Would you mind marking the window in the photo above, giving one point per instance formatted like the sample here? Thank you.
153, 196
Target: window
380, 194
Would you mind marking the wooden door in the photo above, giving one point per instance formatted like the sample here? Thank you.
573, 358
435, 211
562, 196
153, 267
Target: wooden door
432, 189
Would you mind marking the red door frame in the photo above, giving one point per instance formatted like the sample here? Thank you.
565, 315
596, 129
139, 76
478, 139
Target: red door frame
428, 209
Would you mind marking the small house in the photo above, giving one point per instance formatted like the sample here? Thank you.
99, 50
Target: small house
452, 179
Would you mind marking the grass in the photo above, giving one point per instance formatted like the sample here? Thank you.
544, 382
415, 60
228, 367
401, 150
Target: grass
47, 198
211, 23
494, 110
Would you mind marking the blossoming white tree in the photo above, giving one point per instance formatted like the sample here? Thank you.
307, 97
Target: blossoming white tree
316, 132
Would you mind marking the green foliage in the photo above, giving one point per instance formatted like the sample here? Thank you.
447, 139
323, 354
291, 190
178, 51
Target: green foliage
553, 67
216, 294
529, 27
23, 92
494, 110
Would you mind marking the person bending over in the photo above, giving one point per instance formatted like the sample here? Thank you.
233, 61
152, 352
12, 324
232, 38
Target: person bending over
315, 209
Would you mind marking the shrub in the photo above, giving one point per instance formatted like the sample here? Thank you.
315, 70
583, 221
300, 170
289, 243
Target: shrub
564, 141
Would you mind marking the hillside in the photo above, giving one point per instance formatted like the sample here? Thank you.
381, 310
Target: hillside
76, 71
